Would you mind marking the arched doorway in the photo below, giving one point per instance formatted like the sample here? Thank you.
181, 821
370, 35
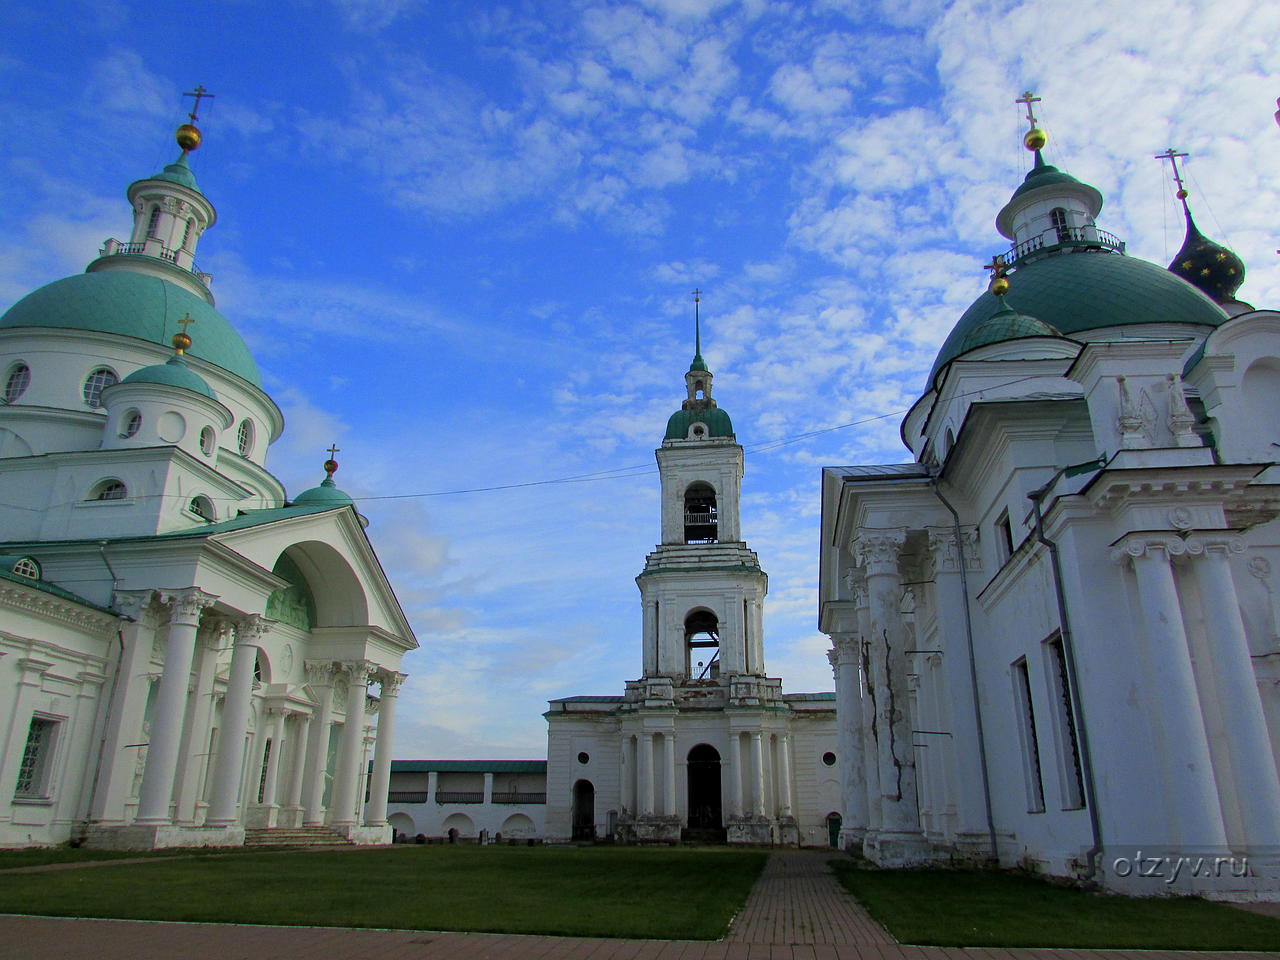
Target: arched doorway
584, 810
834, 822
704, 788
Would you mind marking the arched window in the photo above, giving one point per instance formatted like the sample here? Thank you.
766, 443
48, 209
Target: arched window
207, 440
202, 507
131, 424
699, 390
96, 382
244, 437
1059, 218
186, 234
26, 567
702, 644
700, 516
110, 489
153, 225
16, 383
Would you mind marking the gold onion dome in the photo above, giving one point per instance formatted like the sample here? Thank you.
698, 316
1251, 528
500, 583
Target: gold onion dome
188, 136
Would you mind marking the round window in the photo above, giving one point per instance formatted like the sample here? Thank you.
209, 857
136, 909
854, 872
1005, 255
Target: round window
95, 383
16, 383
207, 441
244, 437
829, 759
584, 757
132, 424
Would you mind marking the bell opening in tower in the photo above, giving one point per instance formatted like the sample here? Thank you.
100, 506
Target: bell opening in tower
700, 517
702, 645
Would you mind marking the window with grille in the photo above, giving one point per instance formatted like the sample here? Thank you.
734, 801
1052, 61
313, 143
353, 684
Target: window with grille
202, 507
15, 385
132, 424
207, 441
1064, 722
26, 567
95, 383
186, 234
153, 225
244, 437
1027, 737
34, 768
109, 490
1060, 225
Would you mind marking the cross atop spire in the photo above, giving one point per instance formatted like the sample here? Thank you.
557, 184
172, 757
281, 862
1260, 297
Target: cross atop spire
1034, 138
1029, 98
697, 323
199, 93
1173, 156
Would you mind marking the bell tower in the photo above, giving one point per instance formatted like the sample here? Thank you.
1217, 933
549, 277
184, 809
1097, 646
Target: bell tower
702, 588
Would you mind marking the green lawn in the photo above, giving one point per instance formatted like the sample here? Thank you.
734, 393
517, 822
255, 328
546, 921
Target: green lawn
957, 909
39, 856
599, 892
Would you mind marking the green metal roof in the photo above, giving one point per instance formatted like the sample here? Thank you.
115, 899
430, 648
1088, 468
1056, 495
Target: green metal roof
178, 172
698, 365
326, 494
6, 573
1005, 324
1073, 292
808, 697
468, 766
717, 421
135, 305
173, 373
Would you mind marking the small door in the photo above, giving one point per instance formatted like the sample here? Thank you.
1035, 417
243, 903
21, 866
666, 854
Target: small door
584, 810
833, 829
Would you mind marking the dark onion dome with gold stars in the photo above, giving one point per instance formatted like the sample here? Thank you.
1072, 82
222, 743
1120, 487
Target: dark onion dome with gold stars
1207, 265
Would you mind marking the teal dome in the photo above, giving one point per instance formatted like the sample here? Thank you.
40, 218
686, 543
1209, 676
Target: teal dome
135, 305
174, 373
327, 494
717, 421
1042, 175
178, 172
1005, 324
1073, 292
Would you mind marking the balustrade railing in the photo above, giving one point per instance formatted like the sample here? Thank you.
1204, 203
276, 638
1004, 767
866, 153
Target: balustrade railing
150, 248
408, 796
459, 796
1088, 237
519, 798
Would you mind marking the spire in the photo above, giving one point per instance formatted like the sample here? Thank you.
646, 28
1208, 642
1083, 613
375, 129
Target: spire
698, 363
1212, 268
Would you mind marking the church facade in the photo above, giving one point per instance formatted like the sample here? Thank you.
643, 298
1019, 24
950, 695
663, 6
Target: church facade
185, 653
1056, 631
704, 745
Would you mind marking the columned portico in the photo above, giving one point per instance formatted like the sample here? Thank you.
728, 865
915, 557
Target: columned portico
235, 722
156, 796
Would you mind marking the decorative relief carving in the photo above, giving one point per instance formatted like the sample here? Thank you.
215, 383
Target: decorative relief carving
320, 673
1180, 518
1181, 419
185, 606
1129, 423
1260, 567
1133, 547
253, 628
877, 550
53, 608
392, 682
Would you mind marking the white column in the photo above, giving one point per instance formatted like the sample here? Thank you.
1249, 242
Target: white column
628, 775
185, 607
853, 792
347, 777
229, 766
784, 775
195, 738
757, 774
269, 798
669, 773
298, 749
320, 677
644, 744
376, 813
1191, 790
735, 774
1235, 685
877, 551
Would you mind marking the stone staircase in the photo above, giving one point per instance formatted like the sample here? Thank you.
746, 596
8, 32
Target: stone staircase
294, 837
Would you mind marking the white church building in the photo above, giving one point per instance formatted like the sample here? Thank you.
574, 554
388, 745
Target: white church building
1057, 630
185, 653
704, 745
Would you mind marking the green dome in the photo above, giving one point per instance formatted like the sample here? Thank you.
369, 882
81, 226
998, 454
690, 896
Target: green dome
699, 365
717, 421
178, 172
135, 305
1073, 292
327, 494
174, 373
1042, 175
1005, 324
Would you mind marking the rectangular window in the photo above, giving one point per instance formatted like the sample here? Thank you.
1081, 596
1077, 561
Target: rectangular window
1027, 737
33, 771
1064, 722
262, 776
1004, 537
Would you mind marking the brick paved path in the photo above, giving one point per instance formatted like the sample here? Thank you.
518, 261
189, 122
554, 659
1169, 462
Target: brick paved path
796, 911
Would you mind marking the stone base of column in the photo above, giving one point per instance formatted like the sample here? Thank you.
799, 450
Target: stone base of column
654, 829
788, 832
364, 835
887, 848
755, 831
851, 839
972, 848
151, 837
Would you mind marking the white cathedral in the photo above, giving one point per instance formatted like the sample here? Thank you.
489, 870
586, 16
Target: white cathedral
185, 653
705, 745
1057, 631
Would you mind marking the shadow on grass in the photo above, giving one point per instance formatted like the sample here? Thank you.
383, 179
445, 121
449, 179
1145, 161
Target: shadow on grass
1000, 909
591, 892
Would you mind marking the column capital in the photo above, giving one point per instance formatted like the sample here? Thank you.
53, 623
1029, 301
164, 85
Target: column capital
134, 604
320, 673
391, 682
1208, 545
1147, 543
947, 553
845, 648
356, 671
877, 549
252, 629
185, 606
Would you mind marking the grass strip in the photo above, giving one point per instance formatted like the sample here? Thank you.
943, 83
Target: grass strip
1000, 909
586, 892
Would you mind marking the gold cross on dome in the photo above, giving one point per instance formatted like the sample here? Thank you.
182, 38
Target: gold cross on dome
1173, 156
333, 449
186, 319
1029, 98
200, 93
997, 266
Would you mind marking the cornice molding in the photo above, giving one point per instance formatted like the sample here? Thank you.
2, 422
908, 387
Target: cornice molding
56, 609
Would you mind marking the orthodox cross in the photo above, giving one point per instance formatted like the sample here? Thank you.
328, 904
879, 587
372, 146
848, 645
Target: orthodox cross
1172, 156
199, 93
1029, 98
997, 266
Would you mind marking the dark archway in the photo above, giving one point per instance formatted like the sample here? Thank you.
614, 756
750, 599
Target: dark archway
834, 822
700, 515
702, 645
584, 810
705, 813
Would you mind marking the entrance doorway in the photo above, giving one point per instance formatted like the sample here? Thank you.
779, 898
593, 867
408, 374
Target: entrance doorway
834, 822
704, 788
584, 810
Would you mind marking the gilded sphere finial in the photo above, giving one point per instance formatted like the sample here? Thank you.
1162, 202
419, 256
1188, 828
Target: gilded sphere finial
331, 467
181, 342
999, 286
1182, 194
188, 136
1035, 139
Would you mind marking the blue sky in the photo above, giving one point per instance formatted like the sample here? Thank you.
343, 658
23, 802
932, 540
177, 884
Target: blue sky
460, 239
